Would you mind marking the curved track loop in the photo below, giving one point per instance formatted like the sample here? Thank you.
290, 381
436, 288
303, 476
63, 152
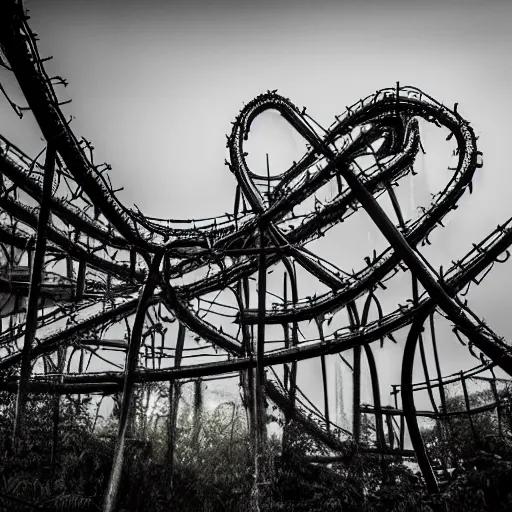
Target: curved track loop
109, 248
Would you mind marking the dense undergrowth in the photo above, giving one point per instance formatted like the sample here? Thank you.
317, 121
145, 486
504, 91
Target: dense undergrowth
212, 468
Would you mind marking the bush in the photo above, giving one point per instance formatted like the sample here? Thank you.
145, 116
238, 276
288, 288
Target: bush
213, 467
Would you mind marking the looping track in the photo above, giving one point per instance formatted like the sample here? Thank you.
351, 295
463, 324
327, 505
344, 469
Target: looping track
116, 264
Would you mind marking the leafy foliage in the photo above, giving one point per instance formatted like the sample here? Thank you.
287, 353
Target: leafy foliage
213, 465
479, 449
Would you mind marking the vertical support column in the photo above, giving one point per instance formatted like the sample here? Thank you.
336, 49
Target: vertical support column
14, 227
80, 280
198, 405
377, 405
295, 328
498, 404
268, 182
356, 377
339, 184
61, 361
236, 208
260, 371
374, 376
409, 407
128, 388
109, 285
326, 395
442, 420
291, 368
402, 421
30, 257
33, 295
286, 331
427, 375
397, 108
391, 433
69, 268
319, 323
174, 399
468, 406
442, 394
356, 396
402, 431
260, 352
247, 376
415, 295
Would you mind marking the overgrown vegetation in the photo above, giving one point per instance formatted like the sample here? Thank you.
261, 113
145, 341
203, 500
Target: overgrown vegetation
213, 466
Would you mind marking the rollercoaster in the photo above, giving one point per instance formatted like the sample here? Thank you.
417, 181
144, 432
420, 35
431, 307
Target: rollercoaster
84, 278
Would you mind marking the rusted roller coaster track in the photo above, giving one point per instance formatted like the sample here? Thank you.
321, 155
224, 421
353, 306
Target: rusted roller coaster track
89, 226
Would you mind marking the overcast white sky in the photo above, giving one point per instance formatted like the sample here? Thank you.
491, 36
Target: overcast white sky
156, 84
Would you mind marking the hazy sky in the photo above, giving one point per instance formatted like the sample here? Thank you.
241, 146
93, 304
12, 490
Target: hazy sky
155, 86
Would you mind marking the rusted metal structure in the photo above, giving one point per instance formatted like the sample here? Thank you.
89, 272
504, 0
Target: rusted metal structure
116, 283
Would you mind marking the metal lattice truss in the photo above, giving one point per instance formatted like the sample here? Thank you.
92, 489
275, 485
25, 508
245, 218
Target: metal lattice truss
83, 278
